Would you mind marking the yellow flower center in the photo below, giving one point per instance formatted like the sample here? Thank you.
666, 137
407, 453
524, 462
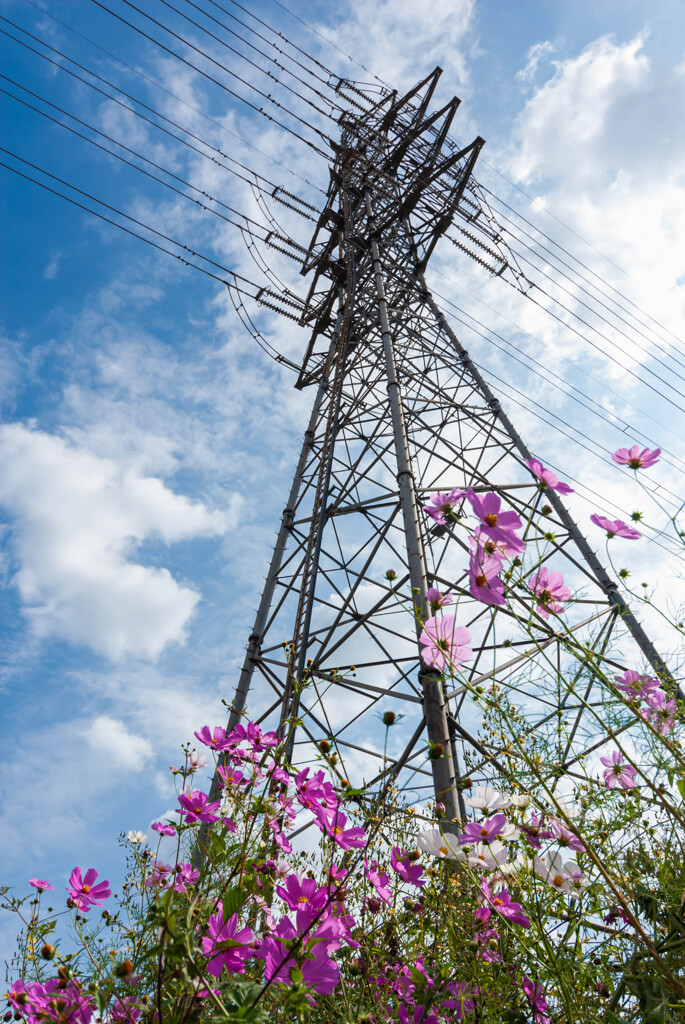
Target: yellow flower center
337, 830
481, 581
558, 880
86, 888
444, 850
491, 520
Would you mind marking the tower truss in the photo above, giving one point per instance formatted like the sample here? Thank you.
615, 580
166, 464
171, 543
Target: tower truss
400, 412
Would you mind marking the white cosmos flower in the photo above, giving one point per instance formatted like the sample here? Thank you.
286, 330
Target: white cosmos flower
522, 800
433, 841
487, 799
521, 864
562, 877
487, 856
136, 837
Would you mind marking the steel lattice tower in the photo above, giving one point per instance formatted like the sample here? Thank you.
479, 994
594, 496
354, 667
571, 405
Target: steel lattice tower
400, 412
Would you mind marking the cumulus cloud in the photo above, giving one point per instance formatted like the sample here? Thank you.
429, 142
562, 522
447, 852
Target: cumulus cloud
79, 520
377, 35
113, 742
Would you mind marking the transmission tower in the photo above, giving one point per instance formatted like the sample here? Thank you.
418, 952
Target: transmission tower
399, 413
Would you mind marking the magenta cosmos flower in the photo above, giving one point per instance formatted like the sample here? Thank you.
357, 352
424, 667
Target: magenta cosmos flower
484, 582
445, 645
402, 865
495, 524
547, 477
40, 885
84, 892
225, 946
635, 458
549, 590
163, 829
442, 506
485, 831
635, 685
615, 527
503, 904
198, 807
617, 773
536, 998
436, 599
659, 711
213, 738
345, 838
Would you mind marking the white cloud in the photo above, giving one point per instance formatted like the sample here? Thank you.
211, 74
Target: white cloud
536, 54
402, 40
51, 268
79, 520
114, 743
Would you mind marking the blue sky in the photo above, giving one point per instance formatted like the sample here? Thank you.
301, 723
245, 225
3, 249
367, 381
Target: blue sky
147, 443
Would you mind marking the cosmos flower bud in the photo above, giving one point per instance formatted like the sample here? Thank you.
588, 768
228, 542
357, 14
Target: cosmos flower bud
48, 951
123, 969
324, 746
391, 575
440, 809
436, 751
389, 718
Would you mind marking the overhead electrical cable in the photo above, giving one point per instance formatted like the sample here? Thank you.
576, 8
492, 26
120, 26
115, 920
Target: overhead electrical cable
221, 85
275, 190
158, 85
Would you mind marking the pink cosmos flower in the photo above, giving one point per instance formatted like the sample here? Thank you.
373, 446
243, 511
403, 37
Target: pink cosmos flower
617, 773
125, 1011
547, 477
51, 1004
84, 892
346, 839
498, 526
436, 599
550, 591
302, 893
635, 685
225, 946
659, 711
379, 880
198, 807
159, 875
485, 584
253, 736
535, 832
536, 998
615, 527
445, 645
442, 506
216, 738
565, 837
503, 904
636, 459
415, 1015
409, 871
485, 831
40, 885
186, 876
163, 829
320, 971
